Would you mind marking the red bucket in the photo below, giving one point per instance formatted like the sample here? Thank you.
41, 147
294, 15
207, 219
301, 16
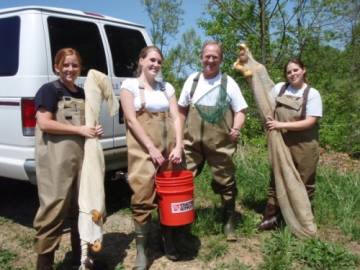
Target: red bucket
175, 191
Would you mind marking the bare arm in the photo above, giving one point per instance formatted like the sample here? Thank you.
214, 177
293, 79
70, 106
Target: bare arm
127, 104
239, 120
307, 123
47, 123
176, 153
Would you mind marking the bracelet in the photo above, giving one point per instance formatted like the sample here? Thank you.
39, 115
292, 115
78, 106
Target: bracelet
238, 129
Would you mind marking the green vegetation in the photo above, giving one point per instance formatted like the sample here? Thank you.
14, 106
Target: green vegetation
6, 259
215, 248
337, 206
283, 251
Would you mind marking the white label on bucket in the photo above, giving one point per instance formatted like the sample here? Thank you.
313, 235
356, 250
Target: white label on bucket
180, 207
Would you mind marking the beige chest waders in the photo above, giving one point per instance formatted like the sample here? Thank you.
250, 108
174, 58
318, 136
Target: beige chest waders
303, 145
204, 141
58, 165
159, 127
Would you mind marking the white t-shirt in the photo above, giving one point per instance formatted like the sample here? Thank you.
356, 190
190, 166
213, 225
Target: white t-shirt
237, 101
314, 103
155, 101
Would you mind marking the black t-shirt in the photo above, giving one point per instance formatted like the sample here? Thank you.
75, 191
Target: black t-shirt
48, 95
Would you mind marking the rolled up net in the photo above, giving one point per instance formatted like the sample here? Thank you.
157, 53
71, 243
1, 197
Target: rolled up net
290, 190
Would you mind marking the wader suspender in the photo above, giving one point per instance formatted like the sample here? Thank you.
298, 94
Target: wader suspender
196, 81
142, 94
305, 98
142, 108
59, 91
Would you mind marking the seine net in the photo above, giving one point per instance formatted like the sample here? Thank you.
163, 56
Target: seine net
213, 105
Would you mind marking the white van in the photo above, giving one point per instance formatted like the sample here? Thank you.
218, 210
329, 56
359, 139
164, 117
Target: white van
29, 38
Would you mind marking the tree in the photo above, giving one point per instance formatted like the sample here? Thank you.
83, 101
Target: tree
166, 18
183, 58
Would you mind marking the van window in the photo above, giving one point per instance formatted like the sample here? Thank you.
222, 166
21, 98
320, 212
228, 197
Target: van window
9, 45
125, 45
82, 36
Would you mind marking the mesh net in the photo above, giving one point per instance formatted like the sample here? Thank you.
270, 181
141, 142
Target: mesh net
213, 105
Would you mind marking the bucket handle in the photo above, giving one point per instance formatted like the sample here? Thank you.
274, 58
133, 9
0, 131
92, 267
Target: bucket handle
181, 166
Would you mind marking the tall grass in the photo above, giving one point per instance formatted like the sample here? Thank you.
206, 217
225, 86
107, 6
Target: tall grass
337, 201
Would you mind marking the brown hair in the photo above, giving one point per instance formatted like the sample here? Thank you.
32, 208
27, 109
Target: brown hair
61, 55
212, 42
296, 61
143, 53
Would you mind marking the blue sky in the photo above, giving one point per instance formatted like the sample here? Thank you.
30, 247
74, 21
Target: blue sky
130, 10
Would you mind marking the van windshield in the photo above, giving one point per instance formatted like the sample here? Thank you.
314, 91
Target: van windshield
9, 45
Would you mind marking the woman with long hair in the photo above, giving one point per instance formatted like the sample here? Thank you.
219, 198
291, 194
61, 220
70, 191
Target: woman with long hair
297, 110
154, 140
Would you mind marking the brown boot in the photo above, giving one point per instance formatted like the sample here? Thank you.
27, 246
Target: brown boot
45, 261
271, 218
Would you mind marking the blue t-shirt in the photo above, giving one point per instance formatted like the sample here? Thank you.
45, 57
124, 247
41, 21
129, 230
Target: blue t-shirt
48, 95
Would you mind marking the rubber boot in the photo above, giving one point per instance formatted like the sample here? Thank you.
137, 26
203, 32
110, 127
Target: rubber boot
45, 261
167, 236
229, 220
271, 218
141, 235
75, 246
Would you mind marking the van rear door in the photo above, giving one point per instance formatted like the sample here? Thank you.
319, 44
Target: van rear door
125, 43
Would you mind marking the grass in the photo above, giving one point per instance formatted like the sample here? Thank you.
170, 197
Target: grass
337, 207
337, 201
215, 248
7, 258
234, 265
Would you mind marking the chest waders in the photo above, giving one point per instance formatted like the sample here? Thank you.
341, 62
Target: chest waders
211, 143
58, 166
303, 145
159, 127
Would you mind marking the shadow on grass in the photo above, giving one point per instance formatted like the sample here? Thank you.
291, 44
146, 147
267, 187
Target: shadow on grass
18, 201
112, 254
210, 220
257, 205
186, 243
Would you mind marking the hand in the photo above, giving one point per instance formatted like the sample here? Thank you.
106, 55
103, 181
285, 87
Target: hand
234, 134
99, 130
87, 132
272, 124
175, 155
156, 156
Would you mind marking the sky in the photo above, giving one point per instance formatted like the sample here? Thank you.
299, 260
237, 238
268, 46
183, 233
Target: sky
130, 10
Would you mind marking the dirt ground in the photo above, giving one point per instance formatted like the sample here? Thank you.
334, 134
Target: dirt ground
18, 204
